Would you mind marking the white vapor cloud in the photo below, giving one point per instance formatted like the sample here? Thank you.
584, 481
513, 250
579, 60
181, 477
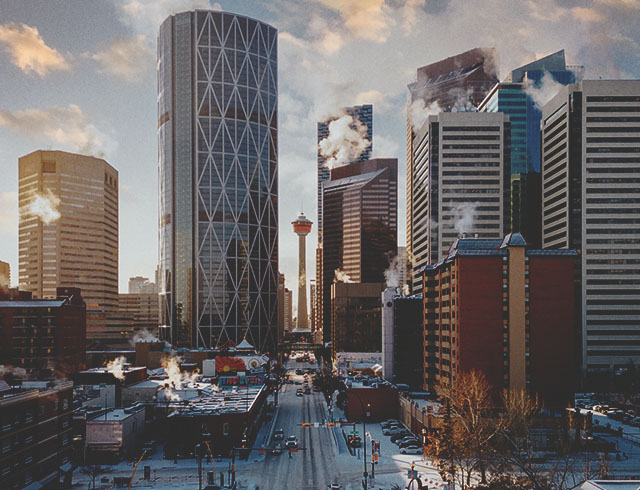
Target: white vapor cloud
28, 50
367, 19
545, 91
127, 59
67, 127
346, 141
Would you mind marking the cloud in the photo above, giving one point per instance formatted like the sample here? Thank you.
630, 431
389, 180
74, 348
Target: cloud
28, 51
585, 14
366, 19
145, 16
67, 126
8, 213
127, 59
375, 97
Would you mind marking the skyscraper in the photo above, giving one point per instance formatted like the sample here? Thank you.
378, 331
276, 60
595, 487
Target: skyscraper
360, 230
5, 274
460, 182
361, 113
460, 82
68, 230
590, 176
217, 135
515, 97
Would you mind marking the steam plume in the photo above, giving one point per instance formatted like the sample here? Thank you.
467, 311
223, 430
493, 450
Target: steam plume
143, 336
346, 141
44, 206
544, 91
116, 367
393, 272
418, 112
464, 215
341, 277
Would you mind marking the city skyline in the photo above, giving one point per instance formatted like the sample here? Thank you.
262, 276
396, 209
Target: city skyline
50, 96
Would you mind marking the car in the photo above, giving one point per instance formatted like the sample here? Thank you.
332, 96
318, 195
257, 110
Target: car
278, 435
415, 449
635, 422
334, 486
393, 431
292, 442
277, 449
409, 442
316, 389
299, 393
389, 423
354, 441
401, 435
299, 372
307, 391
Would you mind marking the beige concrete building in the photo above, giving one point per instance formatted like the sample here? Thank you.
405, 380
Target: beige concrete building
68, 229
5, 274
142, 308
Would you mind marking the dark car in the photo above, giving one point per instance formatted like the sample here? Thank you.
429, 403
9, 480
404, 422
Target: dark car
409, 442
354, 441
278, 435
400, 434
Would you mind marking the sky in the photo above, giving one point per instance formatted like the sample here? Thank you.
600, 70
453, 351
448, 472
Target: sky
79, 75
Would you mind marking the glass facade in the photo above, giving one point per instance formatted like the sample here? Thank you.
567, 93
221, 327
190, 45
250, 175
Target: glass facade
364, 114
217, 109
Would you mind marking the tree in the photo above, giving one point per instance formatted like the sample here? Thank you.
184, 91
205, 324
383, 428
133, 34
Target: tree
93, 472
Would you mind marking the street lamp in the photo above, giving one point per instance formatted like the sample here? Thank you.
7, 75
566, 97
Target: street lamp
365, 475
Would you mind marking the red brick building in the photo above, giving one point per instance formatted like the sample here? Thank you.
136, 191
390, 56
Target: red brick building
506, 310
43, 335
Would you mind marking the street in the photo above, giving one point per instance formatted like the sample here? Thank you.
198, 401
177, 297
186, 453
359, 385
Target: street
314, 466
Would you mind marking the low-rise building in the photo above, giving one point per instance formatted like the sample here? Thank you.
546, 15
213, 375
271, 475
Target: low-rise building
114, 435
35, 435
43, 335
356, 324
377, 401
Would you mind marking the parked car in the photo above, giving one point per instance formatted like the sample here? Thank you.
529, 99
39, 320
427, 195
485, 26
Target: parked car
413, 449
393, 431
278, 435
635, 422
401, 435
409, 442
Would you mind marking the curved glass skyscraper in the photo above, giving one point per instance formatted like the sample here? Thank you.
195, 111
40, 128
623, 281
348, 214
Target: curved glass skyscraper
217, 139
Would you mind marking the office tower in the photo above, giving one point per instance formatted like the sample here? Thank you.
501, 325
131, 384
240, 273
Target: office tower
302, 227
356, 317
281, 288
37, 435
5, 274
590, 175
45, 337
139, 284
312, 302
68, 231
461, 183
360, 229
217, 135
403, 268
517, 96
499, 307
319, 296
458, 83
402, 339
142, 311
361, 113
288, 310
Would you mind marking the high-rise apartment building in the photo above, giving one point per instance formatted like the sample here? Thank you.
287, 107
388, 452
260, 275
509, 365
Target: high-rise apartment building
68, 230
518, 97
590, 175
312, 301
506, 310
217, 135
288, 310
460, 82
360, 228
139, 284
361, 113
460, 183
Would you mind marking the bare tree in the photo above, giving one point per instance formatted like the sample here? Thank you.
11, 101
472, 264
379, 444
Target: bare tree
93, 472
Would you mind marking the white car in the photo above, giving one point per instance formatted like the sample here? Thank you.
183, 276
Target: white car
411, 450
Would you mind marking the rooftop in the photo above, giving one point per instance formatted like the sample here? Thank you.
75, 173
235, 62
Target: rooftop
117, 414
237, 399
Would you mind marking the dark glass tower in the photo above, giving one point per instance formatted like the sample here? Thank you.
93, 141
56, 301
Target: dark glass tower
217, 139
362, 113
